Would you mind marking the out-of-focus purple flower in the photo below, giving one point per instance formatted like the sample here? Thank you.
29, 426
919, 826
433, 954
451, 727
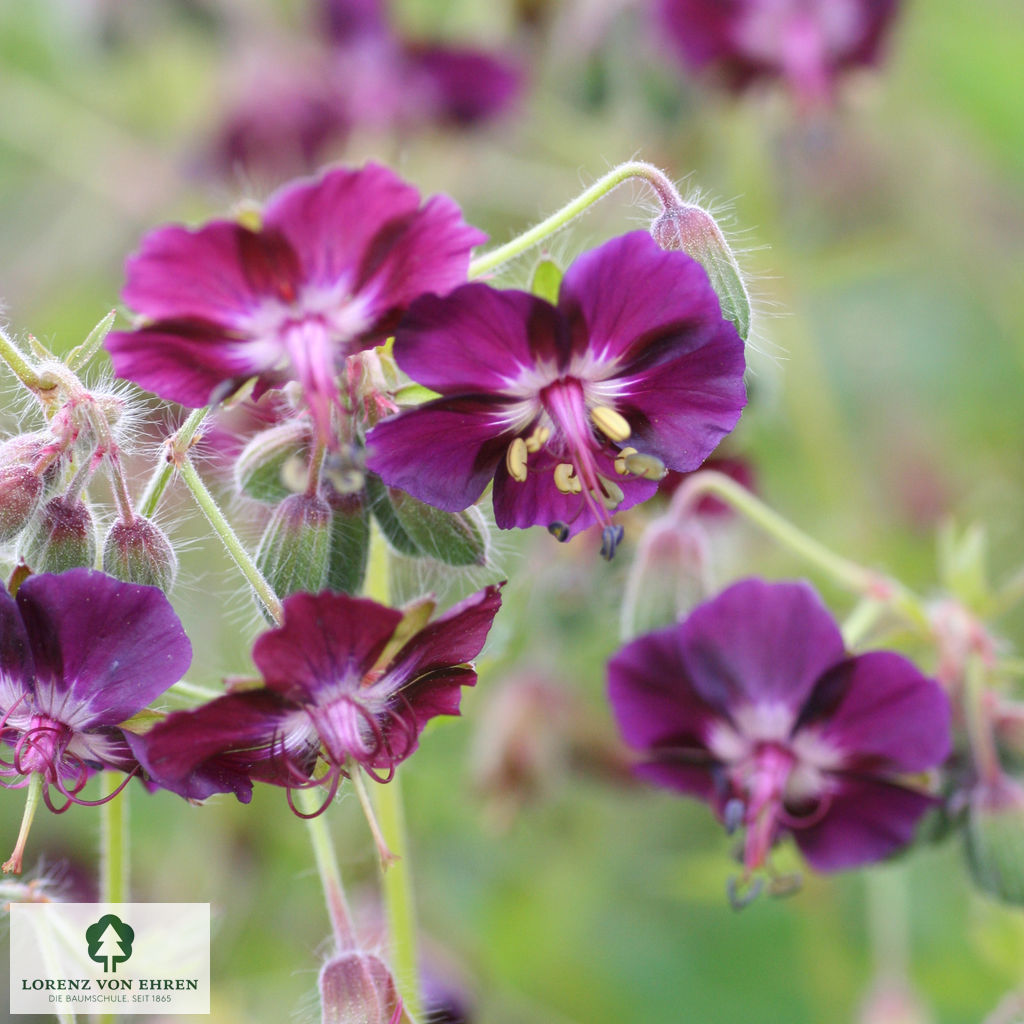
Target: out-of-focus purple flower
573, 410
80, 653
347, 682
328, 273
806, 42
753, 705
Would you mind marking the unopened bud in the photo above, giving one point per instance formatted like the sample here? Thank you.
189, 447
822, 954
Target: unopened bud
293, 551
60, 537
384, 513
667, 578
264, 469
139, 552
350, 542
358, 988
994, 839
693, 230
455, 538
20, 493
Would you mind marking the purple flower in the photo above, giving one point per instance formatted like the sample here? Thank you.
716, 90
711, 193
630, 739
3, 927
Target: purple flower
346, 681
80, 653
807, 42
573, 410
753, 705
328, 273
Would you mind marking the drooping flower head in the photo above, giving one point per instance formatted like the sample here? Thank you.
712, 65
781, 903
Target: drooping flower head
80, 653
573, 410
347, 682
332, 266
806, 42
753, 705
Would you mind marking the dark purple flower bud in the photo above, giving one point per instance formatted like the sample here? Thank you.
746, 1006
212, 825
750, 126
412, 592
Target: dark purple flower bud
753, 705
60, 537
21, 491
348, 682
294, 549
328, 272
140, 552
552, 402
994, 838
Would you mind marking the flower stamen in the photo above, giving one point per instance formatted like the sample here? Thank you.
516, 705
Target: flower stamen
515, 459
650, 467
566, 479
620, 460
612, 424
538, 438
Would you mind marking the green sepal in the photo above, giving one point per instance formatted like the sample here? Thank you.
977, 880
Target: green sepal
265, 470
81, 354
546, 281
455, 538
294, 549
384, 513
350, 544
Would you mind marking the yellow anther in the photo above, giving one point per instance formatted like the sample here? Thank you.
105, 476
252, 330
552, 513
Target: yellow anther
566, 480
538, 439
620, 460
611, 423
610, 495
515, 459
648, 466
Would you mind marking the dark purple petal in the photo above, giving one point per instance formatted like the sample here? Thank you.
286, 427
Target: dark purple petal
463, 86
759, 643
226, 745
881, 712
353, 21
652, 698
15, 654
325, 640
444, 453
477, 339
103, 648
187, 361
692, 779
867, 820
202, 275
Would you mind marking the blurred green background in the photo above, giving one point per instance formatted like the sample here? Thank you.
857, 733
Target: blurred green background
886, 247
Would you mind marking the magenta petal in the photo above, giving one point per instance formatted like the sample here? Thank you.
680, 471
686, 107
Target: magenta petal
867, 820
464, 86
101, 646
178, 273
692, 779
477, 339
325, 641
759, 643
444, 452
880, 710
654, 702
15, 654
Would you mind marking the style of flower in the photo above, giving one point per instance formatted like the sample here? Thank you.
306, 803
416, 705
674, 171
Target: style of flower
80, 653
752, 704
347, 682
329, 271
573, 410
806, 42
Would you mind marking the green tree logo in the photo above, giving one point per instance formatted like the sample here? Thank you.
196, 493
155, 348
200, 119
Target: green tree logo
110, 942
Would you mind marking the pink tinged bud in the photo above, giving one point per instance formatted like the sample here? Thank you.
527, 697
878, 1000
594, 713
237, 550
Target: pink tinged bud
693, 230
295, 546
357, 988
994, 839
60, 537
139, 552
20, 494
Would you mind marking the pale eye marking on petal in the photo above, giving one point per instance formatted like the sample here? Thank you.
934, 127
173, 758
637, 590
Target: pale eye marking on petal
515, 459
566, 479
611, 423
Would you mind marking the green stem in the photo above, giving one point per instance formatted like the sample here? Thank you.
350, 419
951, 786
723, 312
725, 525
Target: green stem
397, 878
223, 529
887, 920
981, 740
861, 621
115, 863
327, 867
866, 582
177, 445
34, 792
23, 370
662, 185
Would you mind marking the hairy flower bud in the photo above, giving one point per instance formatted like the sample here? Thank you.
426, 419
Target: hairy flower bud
994, 839
350, 542
263, 467
60, 537
294, 548
20, 493
139, 552
455, 538
693, 230
357, 988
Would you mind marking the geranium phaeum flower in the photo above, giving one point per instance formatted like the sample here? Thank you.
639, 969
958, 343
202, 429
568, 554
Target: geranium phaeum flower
344, 683
80, 652
329, 272
573, 410
806, 42
753, 705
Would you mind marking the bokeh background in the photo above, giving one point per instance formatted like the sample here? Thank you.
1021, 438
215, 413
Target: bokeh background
885, 243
